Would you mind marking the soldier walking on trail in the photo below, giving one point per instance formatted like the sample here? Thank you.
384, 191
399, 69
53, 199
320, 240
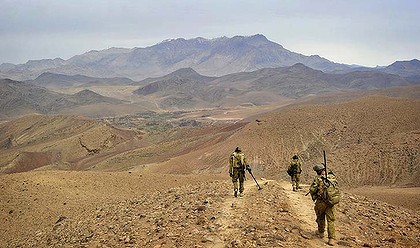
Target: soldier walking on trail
294, 170
324, 209
237, 166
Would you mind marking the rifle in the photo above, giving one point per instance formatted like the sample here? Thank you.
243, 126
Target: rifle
249, 170
325, 168
326, 171
325, 163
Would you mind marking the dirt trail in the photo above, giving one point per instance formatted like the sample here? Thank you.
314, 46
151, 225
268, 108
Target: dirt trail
233, 210
231, 213
302, 207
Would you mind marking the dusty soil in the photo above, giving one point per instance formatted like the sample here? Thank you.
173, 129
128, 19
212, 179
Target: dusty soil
123, 209
405, 197
32, 201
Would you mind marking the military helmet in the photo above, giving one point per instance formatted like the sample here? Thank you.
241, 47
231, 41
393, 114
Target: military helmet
319, 167
295, 157
237, 149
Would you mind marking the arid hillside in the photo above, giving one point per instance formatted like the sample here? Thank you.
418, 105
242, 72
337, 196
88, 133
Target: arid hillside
373, 140
59, 142
364, 139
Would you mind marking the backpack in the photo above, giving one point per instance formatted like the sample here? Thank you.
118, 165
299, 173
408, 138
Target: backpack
293, 169
330, 190
290, 170
236, 161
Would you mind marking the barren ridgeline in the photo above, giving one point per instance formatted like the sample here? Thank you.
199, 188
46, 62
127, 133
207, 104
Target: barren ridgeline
77, 182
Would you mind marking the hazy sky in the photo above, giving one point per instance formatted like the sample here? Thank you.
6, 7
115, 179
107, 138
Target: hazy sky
363, 32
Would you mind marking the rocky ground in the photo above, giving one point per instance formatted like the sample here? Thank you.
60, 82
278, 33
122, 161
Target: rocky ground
90, 209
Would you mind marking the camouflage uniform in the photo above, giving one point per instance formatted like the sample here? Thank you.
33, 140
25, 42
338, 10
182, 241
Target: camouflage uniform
294, 170
322, 208
237, 163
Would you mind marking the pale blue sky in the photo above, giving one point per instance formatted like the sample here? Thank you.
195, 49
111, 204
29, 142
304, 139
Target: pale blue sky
363, 32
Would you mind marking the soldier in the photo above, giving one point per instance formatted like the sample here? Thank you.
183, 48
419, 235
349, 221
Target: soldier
237, 164
294, 170
323, 209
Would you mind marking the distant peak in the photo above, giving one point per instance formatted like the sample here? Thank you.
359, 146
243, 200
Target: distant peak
40, 61
410, 63
86, 92
184, 72
415, 62
258, 36
172, 40
202, 40
252, 37
47, 75
315, 56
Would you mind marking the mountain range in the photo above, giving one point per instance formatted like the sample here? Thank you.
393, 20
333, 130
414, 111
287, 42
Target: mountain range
48, 79
210, 57
20, 98
184, 74
186, 89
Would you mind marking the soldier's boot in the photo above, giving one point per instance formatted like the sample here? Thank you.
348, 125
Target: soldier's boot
294, 188
241, 194
319, 234
235, 193
331, 242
